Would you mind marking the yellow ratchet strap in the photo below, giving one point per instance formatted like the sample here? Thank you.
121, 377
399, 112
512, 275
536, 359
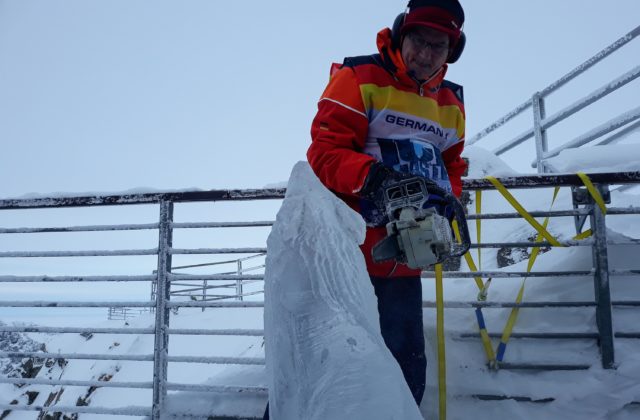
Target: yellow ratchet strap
479, 225
482, 296
516, 205
470, 263
513, 316
597, 197
442, 365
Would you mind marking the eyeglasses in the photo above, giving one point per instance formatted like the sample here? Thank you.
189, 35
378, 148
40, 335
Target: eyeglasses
422, 44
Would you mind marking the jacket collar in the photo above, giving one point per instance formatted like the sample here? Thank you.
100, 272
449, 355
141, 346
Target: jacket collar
393, 63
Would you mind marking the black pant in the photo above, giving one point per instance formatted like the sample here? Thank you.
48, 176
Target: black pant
400, 309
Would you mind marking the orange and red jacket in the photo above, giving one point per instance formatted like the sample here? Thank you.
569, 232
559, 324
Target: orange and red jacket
372, 110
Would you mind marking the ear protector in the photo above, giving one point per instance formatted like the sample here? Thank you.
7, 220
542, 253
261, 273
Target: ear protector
396, 39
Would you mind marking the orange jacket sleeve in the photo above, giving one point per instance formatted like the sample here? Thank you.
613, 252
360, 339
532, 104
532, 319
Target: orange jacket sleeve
338, 133
455, 166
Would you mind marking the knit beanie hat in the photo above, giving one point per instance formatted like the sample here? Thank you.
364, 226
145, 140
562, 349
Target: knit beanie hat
443, 15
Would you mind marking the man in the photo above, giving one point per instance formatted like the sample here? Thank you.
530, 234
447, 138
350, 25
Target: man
381, 118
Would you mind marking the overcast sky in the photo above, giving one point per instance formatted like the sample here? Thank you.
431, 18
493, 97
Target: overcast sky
120, 94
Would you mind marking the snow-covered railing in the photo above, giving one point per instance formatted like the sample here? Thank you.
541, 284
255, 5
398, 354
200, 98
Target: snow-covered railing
162, 280
164, 305
627, 121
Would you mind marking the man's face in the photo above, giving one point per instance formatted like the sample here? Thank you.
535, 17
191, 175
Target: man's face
424, 51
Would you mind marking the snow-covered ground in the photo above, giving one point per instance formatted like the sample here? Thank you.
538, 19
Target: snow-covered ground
595, 393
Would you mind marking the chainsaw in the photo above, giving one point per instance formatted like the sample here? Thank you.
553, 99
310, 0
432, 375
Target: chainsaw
419, 233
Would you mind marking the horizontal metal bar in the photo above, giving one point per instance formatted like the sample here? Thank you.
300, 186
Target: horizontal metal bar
216, 388
55, 279
626, 241
559, 83
489, 397
485, 304
553, 180
619, 135
218, 360
202, 225
572, 109
541, 366
96, 253
58, 304
542, 336
499, 123
206, 264
235, 332
196, 277
624, 272
627, 334
123, 411
590, 98
506, 274
72, 330
625, 303
569, 243
200, 251
234, 304
623, 210
78, 356
516, 141
96, 228
65, 382
269, 194
598, 131
592, 61
199, 289
144, 198
558, 213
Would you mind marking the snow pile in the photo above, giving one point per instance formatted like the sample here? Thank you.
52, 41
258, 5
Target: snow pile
482, 163
610, 158
325, 356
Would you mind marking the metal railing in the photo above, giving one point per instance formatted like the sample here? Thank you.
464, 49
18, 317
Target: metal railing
164, 277
202, 290
630, 119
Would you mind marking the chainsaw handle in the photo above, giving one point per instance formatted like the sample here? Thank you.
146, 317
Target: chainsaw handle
461, 248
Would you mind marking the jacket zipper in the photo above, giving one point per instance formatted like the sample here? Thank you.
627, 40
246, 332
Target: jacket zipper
421, 85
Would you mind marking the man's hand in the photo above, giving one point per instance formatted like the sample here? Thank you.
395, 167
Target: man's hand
379, 178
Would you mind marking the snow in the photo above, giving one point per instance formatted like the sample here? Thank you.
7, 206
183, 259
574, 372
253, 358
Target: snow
610, 158
335, 288
326, 358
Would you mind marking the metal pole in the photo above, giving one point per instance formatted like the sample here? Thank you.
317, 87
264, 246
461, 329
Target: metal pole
204, 292
239, 282
601, 288
161, 346
539, 132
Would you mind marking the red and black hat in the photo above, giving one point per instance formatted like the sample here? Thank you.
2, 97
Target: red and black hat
443, 15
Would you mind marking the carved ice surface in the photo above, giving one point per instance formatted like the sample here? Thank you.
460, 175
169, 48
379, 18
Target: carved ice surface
325, 356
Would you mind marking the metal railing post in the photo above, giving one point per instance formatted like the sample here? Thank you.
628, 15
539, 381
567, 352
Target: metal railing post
163, 289
204, 292
601, 288
239, 282
539, 132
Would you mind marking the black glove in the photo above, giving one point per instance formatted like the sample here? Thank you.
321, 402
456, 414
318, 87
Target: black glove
379, 178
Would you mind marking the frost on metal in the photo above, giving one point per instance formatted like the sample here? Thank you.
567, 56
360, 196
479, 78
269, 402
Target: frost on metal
74, 200
325, 356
